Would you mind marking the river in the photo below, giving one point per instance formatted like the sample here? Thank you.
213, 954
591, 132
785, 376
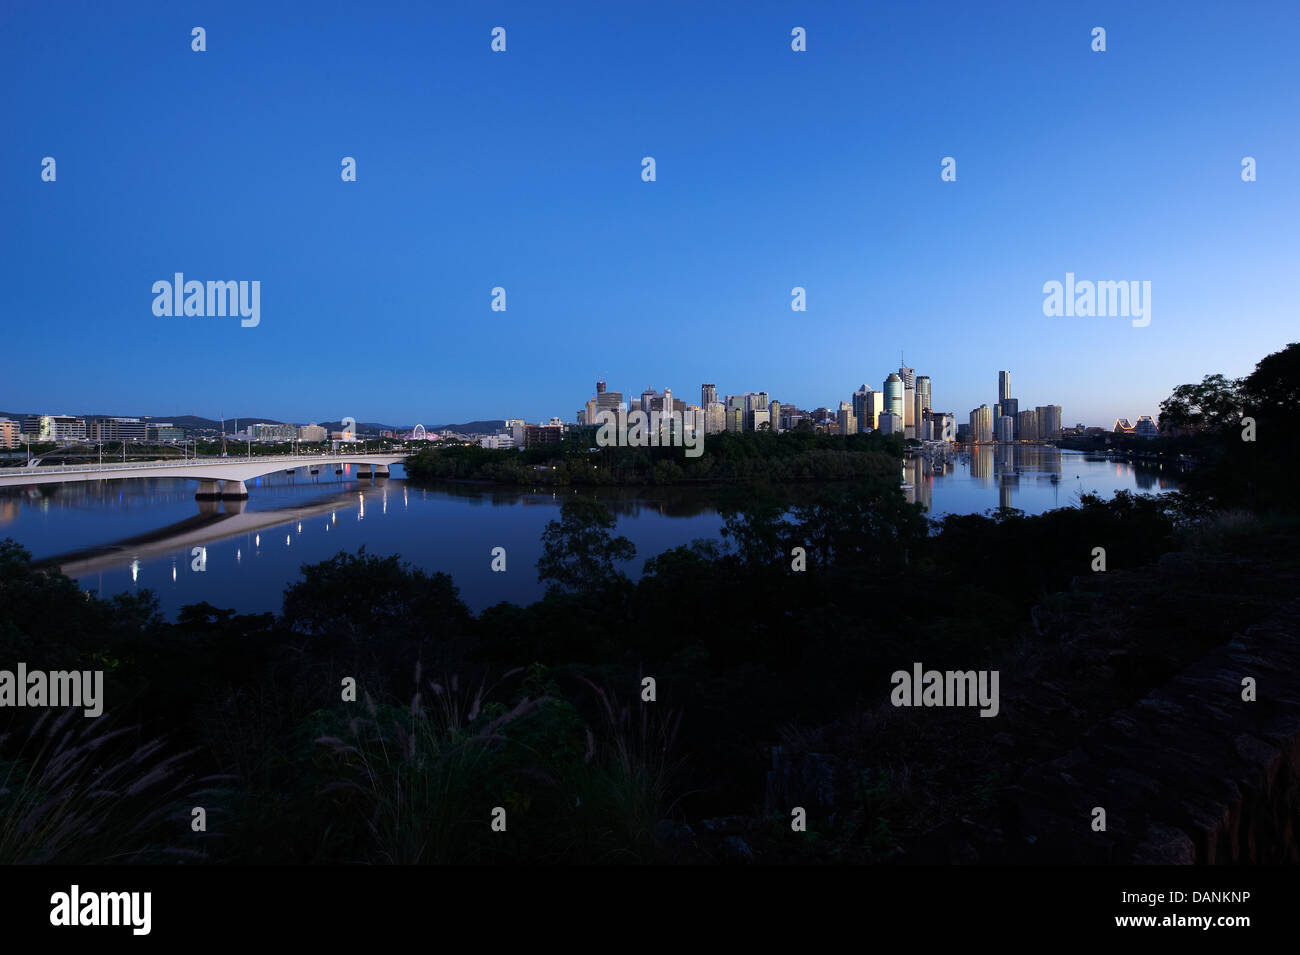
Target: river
129, 535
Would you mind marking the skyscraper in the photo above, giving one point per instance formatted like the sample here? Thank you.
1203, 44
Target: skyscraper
893, 389
848, 423
708, 394
1004, 386
907, 375
1011, 408
981, 425
1049, 421
866, 408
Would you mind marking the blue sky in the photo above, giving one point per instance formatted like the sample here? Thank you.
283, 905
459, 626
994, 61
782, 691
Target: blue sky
522, 169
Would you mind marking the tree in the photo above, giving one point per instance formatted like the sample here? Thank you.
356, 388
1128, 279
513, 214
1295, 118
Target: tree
579, 552
1272, 390
1215, 403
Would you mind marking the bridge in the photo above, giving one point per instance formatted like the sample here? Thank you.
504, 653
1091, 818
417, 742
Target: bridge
219, 478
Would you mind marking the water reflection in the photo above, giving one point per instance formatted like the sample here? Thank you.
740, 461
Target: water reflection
138, 534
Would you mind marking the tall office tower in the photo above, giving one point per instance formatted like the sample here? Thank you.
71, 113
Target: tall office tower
1004, 385
1006, 429
715, 417
909, 412
889, 423
848, 423
1049, 422
907, 375
736, 407
866, 408
1027, 426
893, 389
605, 400
761, 400
923, 389
872, 407
647, 399
774, 415
1011, 408
708, 394
981, 425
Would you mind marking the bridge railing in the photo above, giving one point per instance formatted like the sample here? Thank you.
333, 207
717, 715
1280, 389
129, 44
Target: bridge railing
206, 460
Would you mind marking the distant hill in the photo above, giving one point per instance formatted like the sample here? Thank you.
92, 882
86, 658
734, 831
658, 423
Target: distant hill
470, 427
194, 421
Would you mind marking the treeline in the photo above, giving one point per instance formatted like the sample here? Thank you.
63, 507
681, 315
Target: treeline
727, 458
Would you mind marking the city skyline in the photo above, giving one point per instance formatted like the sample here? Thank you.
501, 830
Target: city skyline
776, 170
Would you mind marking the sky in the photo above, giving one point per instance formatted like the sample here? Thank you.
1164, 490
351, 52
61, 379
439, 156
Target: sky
522, 170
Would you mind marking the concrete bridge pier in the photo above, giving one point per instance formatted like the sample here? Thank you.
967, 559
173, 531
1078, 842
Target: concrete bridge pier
233, 490
380, 470
208, 491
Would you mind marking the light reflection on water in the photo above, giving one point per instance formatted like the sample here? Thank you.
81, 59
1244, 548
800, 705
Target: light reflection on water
453, 529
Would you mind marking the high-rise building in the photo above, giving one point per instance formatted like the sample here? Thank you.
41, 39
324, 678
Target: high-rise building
866, 408
735, 414
708, 394
893, 389
1011, 408
605, 400
715, 417
907, 376
1049, 422
922, 404
909, 412
981, 425
1006, 429
1027, 426
774, 415
1004, 385
848, 423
